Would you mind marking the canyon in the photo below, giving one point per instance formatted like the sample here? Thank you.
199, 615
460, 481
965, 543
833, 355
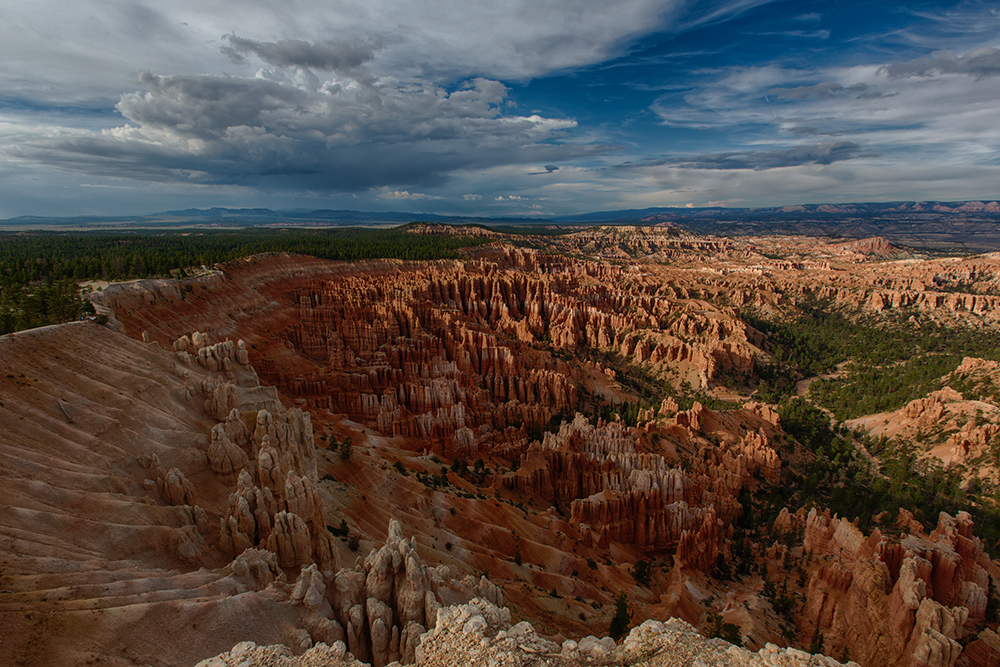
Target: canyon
403, 461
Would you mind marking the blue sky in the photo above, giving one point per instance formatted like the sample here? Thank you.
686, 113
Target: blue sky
516, 107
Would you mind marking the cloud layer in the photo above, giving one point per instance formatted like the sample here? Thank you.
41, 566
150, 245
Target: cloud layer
979, 63
288, 128
513, 107
59, 50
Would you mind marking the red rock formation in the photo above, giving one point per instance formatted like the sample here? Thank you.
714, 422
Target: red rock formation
467, 358
905, 602
111, 504
382, 605
276, 505
424, 351
617, 494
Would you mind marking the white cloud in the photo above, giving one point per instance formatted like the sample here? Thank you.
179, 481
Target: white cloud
947, 114
400, 99
404, 194
882, 179
309, 96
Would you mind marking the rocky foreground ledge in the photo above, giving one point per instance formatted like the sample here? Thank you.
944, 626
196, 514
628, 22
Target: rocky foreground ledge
480, 634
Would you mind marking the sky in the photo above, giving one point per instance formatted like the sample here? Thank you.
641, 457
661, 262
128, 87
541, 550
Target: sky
498, 108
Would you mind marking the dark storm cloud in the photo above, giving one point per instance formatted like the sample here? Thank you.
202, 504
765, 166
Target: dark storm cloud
327, 56
823, 153
346, 134
978, 63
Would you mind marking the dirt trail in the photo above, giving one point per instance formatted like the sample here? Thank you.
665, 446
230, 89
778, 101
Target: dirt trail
802, 386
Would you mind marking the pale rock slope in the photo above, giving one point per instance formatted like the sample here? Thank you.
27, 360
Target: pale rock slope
480, 633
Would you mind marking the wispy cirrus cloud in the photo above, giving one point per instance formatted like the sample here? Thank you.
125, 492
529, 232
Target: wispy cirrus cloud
882, 106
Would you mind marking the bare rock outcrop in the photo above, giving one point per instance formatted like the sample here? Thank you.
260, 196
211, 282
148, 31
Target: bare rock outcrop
270, 454
175, 488
382, 606
480, 633
477, 357
255, 569
426, 350
224, 455
248, 654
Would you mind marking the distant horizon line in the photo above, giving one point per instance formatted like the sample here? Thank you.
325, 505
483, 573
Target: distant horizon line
306, 211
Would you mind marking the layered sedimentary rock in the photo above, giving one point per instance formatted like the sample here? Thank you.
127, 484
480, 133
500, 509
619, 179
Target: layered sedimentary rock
110, 506
454, 348
615, 493
428, 350
269, 453
662, 241
119, 457
144, 529
459, 354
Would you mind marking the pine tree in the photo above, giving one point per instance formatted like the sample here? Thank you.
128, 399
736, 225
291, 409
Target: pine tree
621, 619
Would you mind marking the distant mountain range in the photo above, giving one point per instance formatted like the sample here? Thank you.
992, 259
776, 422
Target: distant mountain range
256, 216
251, 217
806, 211
967, 225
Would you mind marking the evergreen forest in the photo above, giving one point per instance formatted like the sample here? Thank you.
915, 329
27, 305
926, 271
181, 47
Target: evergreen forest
40, 272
